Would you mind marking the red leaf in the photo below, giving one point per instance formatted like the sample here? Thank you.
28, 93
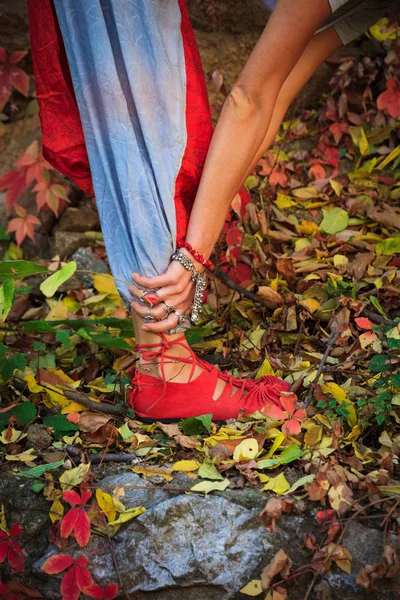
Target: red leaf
82, 561
86, 494
68, 522
274, 412
20, 80
73, 417
16, 529
317, 172
69, 587
390, 99
278, 178
3, 550
15, 557
325, 516
288, 401
57, 563
14, 182
83, 578
82, 529
111, 590
364, 323
16, 57
71, 497
233, 235
95, 591
291, 427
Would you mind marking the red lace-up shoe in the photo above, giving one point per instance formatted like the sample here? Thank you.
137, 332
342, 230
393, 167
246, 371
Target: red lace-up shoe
155, 399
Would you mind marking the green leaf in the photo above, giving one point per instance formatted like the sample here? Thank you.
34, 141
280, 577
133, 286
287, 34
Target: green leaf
25, 412
16, 269
3, 234
8, 366
6, 298
108, 341
334, 221
290, 453
40, 470
194, 425
301, 482
52, 283
388, 247
60, 423
62, 336
38, 327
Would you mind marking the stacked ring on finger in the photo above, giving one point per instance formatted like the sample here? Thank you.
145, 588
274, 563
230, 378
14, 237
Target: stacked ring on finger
181, 318
142, 295
148, 318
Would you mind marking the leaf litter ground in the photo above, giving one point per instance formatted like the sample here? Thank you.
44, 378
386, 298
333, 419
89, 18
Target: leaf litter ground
307, 288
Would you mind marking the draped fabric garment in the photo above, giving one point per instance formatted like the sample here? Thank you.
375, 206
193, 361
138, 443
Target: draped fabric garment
124, 112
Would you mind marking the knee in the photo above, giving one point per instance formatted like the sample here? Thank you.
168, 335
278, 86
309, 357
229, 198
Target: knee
242, 103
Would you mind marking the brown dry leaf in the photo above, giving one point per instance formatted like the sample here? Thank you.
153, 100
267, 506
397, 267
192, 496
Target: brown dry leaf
90, 422
285, 267
271, 512
281, 563
340, 497
106, 433
318, 488
359, 265
269, 297
221, 451
172, 431
387, 567
389, 216
340, 555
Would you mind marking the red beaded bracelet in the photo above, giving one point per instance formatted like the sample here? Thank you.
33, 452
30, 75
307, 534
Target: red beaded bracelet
199, 257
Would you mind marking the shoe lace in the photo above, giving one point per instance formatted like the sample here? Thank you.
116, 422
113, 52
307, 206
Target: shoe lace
151, 352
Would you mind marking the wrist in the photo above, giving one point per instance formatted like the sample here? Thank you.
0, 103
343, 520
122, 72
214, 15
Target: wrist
201, 261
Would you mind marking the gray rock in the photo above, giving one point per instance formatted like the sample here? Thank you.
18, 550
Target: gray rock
67, 242
38, 436
139, 496
85, 259
79, 219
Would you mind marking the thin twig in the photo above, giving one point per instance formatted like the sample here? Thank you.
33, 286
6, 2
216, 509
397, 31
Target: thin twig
329, 346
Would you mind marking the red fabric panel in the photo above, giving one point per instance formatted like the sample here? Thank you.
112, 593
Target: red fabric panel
198, 124
62, 136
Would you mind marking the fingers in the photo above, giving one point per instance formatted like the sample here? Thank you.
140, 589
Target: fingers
164, 325
157, 312
173, 276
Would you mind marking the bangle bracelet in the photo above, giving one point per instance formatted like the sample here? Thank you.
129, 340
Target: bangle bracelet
199, 257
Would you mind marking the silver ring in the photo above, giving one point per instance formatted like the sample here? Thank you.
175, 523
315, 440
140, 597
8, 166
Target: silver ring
142, 295
166, 312
181, 318
148, 318
170, 307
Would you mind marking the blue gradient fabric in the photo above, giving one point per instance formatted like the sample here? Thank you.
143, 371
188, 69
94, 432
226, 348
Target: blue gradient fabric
126, 59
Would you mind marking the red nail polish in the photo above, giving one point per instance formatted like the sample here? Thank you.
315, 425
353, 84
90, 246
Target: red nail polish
151, 299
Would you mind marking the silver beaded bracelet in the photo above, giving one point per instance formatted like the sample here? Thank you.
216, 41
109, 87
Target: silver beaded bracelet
200, 280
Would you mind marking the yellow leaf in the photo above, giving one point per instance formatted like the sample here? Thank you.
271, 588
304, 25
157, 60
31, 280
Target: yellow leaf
185, 465
359, 139
210, 486
74, 476
282, 201
106, 503
11, 436
340, 555
341, 397
25, 457
129, 514
253, 588
340, 259
33, 387
313, 435
56, 511
265, 369
105, 284
58, 310
310, 304
152, 471
308, 228
278, 484
246, 450
279, 439
73, 407
3, 522
336, 186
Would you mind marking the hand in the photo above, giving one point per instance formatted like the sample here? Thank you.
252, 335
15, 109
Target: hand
175, 286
